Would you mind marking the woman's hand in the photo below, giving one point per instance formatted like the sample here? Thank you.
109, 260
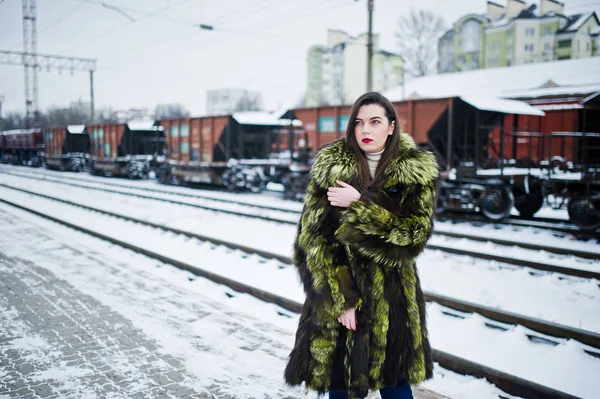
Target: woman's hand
348, 319
342, 196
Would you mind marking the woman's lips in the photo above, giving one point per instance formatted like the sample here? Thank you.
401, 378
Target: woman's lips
366, 141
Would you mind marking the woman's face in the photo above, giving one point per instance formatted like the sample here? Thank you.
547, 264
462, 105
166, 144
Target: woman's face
371, 128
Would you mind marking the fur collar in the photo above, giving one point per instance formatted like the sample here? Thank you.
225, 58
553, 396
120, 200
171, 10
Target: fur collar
337, 161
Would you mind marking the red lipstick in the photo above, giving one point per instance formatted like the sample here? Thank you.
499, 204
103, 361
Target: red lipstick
366, 140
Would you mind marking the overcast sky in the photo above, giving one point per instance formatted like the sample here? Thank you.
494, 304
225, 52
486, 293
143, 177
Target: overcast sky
163, 58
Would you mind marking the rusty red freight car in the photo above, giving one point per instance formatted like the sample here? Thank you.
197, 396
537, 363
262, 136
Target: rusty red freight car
67, 148
131, 149
455, 129
22, 147
236, 150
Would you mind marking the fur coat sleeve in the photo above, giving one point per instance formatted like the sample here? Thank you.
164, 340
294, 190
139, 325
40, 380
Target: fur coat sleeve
390, 222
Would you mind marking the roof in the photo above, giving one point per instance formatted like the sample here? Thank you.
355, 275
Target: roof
594, 98
496, 4
500, 82
76, 129
262, 119
501, 105
528, 13
581, 89
21, 131
143, 125
574, 22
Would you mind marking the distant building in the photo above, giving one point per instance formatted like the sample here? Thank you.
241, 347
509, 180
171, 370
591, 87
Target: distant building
337, 72
517, 34
228, 101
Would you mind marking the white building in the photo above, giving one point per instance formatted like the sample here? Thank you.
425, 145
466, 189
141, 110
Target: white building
337, 72
227, 101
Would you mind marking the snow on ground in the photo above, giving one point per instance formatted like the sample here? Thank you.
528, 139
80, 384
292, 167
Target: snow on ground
266, 199
549, 296
515, 233
226, 340
466, 338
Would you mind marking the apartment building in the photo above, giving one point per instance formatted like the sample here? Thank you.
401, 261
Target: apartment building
337, 71
516, 34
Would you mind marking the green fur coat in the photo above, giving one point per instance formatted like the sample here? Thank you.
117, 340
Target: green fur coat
364, 257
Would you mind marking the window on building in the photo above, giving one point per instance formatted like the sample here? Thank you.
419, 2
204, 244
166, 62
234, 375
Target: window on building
461, 58
470, 32
529, 48
529, 32
587, 46
494, 46
547, 31
547, 46
184, 131
564, 43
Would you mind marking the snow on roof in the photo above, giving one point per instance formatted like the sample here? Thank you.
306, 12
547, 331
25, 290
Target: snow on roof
501, 105
262, 118
574, 22
147, 124
499, 82
75, 129
555, 91
20, 131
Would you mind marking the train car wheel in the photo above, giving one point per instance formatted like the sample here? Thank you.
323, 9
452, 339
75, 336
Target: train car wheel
497, 202
442, 200
529, 204
584, 213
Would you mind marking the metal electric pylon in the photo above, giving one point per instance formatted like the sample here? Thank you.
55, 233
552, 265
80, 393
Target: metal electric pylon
32, 62
32, 116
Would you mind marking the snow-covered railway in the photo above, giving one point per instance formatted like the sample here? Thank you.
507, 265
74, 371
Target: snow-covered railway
580, 262
268, 202
456, 304
490, 343
233, 208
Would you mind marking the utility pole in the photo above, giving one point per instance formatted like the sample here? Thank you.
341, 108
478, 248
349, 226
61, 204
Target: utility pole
30, 64
48, 62
92, 94
370, 47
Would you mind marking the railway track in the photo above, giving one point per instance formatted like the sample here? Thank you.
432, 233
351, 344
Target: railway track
506, 382
445, 247
555, 225
543, 327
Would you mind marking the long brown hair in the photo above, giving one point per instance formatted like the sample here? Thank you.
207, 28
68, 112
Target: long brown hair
391, 143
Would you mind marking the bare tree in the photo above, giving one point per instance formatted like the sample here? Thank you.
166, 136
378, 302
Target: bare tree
417, 36
167, 111
77, 113
247, 103
12, 120
107, 115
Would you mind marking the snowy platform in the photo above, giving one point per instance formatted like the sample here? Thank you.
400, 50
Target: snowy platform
81, 318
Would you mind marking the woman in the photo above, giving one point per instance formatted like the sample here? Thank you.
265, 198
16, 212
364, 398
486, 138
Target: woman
368, 213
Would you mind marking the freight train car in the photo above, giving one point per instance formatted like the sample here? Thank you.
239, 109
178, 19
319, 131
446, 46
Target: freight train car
67, 148
22, 147
456, 130
565, 154
131, 150
246, 150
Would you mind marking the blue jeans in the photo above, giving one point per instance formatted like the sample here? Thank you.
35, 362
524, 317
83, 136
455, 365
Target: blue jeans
400, 391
